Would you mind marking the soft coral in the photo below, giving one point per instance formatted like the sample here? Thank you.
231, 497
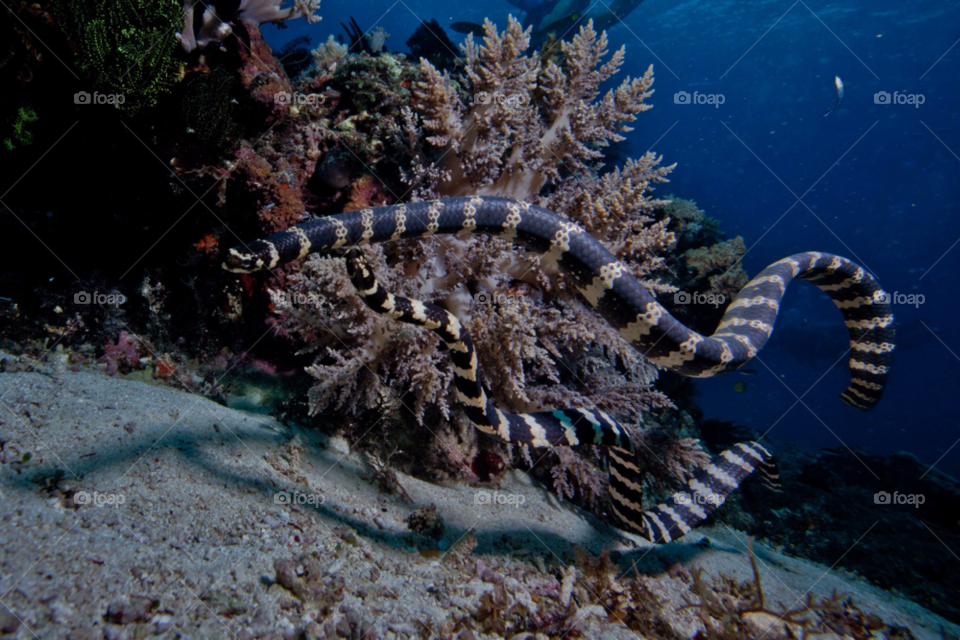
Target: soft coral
123, 354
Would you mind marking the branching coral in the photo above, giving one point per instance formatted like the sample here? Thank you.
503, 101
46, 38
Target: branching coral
527, 123
328, 55
361, 355
617, 209
215, 27
731, 610
540, 344
535, 131
668, 457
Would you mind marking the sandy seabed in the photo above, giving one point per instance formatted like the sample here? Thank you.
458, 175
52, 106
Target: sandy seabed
129, 510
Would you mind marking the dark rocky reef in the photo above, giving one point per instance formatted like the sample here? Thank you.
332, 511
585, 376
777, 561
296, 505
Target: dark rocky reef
863, 510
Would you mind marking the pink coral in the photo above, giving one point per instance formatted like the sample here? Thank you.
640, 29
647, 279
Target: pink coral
213, 27
526, 121
261, 74
263, 198
123, 355
541, 345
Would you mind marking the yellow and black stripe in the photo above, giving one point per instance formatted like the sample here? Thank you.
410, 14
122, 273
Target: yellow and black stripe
706, 491
609, 287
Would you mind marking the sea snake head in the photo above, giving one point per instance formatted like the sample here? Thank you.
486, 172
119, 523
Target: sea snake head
254, 256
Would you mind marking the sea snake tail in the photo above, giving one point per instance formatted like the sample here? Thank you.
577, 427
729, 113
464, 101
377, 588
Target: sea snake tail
706, 491
625, 303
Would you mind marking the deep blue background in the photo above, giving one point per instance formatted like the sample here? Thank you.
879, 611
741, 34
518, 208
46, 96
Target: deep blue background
879, 183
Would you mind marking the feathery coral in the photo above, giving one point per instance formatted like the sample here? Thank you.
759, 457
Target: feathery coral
215, 27
538, 132
328, 55
526, 123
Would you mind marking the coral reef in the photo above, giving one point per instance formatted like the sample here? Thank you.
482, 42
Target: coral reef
208, 108
373, 42
526, 123
328, 55
712, 263
558, 351
124, 355
830, 500
730, 610
701, 255
295, 56
366, 192
126, 49
267, 200
700, 261
262, 76
215, 27
362, 133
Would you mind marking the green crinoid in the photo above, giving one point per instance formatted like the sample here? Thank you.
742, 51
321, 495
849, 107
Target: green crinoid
20, 135
125, 47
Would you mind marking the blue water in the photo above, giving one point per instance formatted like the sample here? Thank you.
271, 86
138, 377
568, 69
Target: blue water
877, 183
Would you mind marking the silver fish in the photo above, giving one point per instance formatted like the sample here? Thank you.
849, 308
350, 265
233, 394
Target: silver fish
837, 81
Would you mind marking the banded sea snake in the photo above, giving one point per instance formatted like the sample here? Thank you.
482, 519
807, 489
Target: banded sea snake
624, 302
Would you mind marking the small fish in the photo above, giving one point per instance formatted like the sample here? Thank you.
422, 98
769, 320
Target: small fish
747, 372
740, 386
469, 27
562, 25
837, 81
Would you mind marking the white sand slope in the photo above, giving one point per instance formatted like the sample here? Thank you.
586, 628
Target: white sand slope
189, 540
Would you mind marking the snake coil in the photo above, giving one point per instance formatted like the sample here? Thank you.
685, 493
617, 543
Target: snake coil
621, 299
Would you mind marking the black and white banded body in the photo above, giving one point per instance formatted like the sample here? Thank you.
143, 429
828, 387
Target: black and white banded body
623, 301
